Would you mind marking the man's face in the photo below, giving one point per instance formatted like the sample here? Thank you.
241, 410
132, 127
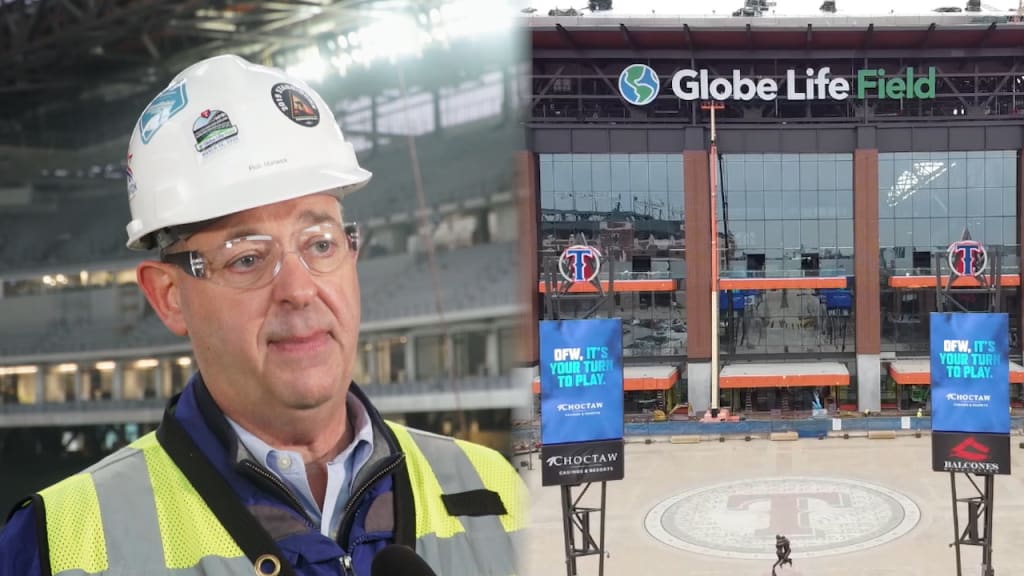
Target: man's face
288, 345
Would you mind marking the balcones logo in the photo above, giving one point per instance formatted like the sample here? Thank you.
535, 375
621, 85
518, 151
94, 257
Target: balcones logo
970, 450
638, 84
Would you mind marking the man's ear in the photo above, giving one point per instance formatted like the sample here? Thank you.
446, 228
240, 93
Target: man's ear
159, 284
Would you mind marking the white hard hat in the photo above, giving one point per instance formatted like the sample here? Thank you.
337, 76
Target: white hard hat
227, 135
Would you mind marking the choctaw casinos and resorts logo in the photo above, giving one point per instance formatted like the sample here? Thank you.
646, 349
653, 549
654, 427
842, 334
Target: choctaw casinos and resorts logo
638, 84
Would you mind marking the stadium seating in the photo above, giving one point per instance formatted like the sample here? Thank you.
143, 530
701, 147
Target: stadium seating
400, 286
392, 287
74, 225
455, 168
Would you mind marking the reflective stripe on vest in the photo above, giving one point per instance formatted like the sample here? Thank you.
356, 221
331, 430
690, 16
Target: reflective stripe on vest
112, 515
467, 545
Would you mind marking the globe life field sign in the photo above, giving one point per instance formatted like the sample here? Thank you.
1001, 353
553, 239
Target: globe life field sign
639, 85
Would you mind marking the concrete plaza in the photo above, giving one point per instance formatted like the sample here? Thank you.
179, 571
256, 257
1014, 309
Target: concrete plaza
855, 507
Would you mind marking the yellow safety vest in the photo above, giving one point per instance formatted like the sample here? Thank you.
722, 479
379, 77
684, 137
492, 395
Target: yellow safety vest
136, 510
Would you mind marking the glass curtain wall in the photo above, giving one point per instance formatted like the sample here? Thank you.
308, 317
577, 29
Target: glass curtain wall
926, 201
631, 208
786, 216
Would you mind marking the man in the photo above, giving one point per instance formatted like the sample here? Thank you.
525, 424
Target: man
270, 461
782, 552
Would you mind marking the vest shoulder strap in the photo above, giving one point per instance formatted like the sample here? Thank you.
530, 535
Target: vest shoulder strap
469, 479
468, 504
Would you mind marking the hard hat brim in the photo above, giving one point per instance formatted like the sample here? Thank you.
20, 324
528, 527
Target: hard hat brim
273, 188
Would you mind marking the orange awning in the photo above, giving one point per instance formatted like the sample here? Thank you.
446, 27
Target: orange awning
790, 374
918, 372
666, 285
640, 378
961, 282
810, 282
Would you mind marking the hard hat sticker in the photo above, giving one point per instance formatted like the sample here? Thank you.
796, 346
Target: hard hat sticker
131, 183
161, 109
295, 104
213, 130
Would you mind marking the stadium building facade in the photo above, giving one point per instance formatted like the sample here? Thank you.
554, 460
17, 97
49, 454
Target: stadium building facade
852, 153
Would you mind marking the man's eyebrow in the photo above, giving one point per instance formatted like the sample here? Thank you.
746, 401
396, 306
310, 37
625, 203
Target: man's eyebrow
239, 232
317, 217
306, 217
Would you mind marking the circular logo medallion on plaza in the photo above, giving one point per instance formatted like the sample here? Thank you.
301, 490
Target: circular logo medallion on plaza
820, 516
639, 84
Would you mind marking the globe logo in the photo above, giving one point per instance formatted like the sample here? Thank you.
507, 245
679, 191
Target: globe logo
638, 84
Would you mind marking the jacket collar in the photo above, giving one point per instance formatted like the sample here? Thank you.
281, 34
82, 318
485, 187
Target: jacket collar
384, 442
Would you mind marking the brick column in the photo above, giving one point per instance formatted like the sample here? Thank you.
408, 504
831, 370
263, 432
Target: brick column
697, 202
866, 288
528, 191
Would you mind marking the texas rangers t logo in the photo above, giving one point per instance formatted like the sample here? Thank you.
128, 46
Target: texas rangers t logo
579, 263
967, 258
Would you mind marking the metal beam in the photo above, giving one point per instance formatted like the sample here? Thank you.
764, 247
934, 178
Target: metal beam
1006, 78
34, 87
772, 54
150, 46
11, 26
566, 36
988, 35
927, 35
256, 37
868, 36
69, 35
59, 33
750, 37
952, 87
604, 77
34, 19
73, 9
537, 97
629, 37
810, 36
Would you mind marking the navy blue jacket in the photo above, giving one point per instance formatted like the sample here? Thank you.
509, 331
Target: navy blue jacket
23, 547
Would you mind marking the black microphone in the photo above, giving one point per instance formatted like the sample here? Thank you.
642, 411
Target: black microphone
398, 560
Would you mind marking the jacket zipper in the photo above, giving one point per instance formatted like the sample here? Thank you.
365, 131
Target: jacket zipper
346, 560
346, 565
348, 518
292, 500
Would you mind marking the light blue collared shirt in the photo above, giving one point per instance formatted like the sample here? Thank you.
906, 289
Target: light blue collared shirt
289, 467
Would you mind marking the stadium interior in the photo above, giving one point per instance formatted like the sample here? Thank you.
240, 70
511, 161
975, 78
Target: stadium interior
85, 365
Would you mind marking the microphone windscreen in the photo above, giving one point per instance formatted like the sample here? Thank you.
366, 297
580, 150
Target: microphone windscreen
398, 560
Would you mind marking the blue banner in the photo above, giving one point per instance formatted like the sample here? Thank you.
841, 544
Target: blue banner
580, 380
970, 372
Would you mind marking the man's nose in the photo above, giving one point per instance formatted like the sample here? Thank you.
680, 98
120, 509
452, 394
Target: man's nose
294, 282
